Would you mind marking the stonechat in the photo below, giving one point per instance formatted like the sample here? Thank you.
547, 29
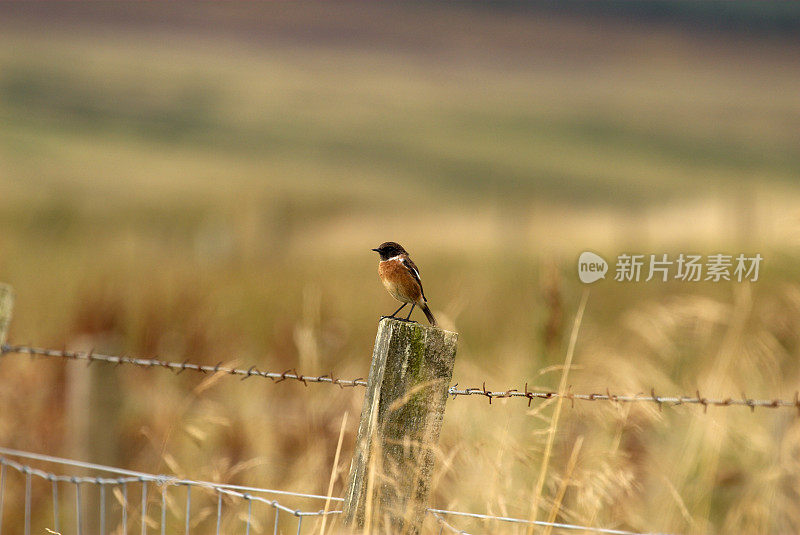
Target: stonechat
400, 276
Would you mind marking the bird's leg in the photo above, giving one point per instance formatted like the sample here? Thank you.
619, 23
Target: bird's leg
408, 318
396, 311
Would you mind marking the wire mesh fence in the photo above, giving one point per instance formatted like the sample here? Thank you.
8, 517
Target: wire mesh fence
114, 501
96, 499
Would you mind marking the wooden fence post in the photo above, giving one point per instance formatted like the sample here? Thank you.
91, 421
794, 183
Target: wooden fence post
391, 470
6, 308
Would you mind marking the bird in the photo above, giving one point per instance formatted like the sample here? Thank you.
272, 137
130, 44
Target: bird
401, 278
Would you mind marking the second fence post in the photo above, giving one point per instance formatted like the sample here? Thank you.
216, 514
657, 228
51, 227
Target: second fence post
392, 465
6, 308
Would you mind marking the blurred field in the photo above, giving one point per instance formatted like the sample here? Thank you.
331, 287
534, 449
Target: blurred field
206, 184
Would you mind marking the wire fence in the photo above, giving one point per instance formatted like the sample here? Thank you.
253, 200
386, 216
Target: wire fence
95, 498
122, 501
127, 499
293, 375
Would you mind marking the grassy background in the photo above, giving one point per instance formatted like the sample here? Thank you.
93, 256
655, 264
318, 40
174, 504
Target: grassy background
206, 184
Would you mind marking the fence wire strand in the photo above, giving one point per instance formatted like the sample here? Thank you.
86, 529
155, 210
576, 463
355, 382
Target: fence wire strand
439, 514
134, 476
453, 391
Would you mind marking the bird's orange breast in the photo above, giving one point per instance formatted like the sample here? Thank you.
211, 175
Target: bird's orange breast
398, 281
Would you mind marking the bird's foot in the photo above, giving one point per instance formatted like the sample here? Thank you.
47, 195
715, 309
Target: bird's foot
398, 319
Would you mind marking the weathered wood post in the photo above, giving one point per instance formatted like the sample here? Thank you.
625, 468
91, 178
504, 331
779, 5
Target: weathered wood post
6, 308
391, 470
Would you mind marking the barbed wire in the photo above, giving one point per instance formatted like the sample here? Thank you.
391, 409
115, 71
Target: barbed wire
454, 391
180, 367
698, 399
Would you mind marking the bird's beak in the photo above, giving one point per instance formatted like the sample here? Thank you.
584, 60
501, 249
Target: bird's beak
376, 250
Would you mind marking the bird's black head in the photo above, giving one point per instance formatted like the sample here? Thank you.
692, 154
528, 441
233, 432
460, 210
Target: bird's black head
389, 249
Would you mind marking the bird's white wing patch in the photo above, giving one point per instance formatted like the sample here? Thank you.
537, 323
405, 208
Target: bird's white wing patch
415, 273
411, 268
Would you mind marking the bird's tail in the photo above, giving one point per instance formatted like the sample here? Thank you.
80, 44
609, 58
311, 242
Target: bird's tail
428, 313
